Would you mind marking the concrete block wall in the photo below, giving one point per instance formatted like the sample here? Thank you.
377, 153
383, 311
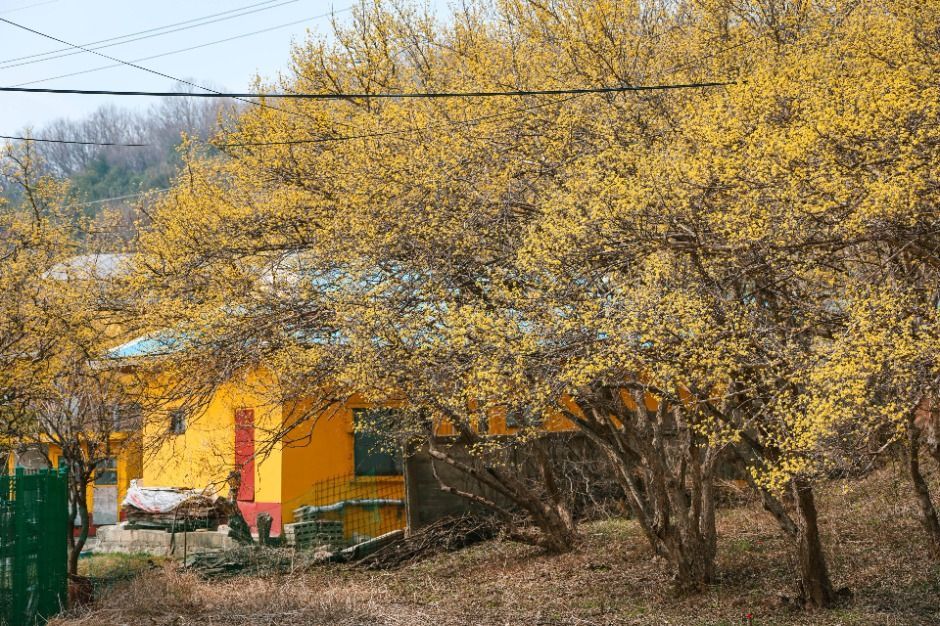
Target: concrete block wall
118, 538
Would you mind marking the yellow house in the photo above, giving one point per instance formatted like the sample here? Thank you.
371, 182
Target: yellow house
275, 458
321, 461
235, 443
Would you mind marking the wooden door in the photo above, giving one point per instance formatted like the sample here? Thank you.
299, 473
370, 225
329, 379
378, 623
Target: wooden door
245, 452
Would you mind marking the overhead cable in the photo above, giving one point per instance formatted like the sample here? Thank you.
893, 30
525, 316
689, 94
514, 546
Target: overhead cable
134, 34
115, 41
75, 141
172, 52
122, 62
364, 95
28, 6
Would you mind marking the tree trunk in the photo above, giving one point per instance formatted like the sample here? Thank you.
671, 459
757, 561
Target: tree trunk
76, 544
559, 526
928, 511
814, 575
558, 531
675, 511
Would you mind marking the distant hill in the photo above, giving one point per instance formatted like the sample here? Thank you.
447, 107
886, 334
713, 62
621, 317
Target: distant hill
111, 176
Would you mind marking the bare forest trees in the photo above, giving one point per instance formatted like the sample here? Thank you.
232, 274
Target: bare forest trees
107, 180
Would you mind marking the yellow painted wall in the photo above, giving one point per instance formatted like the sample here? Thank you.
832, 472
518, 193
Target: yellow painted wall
204, 456
313, 464
319, 468
130, 467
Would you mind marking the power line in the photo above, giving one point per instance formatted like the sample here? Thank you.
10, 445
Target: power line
125, 197
58, 54
469, 122
172, 52
76, 142
145, 69
408, 131
129, 64
134, 34
370, 96
100, 54
328, 96
405, 131
28, 6
571, 92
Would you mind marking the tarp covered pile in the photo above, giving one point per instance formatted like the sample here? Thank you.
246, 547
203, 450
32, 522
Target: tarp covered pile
169, 508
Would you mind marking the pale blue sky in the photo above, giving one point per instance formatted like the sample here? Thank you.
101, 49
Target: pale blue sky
228, 66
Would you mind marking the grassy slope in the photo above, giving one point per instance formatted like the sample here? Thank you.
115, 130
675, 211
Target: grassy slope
872, 536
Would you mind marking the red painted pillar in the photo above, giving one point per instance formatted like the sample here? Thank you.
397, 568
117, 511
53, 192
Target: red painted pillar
245, 452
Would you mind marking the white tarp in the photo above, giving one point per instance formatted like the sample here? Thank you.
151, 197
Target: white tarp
159, 499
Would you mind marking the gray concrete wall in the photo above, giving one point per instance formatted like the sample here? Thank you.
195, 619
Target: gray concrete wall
581, 471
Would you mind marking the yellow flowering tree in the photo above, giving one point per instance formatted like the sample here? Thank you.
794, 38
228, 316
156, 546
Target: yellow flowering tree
693, 277
31, 241
57, 320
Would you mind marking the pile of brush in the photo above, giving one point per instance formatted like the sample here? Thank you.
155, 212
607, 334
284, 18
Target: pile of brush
448, 534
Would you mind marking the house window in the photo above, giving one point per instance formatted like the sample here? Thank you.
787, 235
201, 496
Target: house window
106, 472
177, 421
523, 416
374, 452
128, 416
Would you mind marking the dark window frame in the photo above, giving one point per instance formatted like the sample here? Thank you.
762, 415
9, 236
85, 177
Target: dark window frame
106, 472
517, 417
178, 422
367, 461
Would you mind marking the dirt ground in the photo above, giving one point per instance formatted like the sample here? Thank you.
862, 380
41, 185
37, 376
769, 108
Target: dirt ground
873, 539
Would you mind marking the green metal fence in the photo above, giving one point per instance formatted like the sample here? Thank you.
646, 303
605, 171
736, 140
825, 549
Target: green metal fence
34, 530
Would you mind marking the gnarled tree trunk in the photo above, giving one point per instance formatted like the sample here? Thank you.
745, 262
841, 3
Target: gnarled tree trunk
667, 472
814, 574
928, 512
815, 584
78, 502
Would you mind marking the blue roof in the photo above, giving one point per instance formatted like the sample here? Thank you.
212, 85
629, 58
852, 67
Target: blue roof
91, 266
155, 344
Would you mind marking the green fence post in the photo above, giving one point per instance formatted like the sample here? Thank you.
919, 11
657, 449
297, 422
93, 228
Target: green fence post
6, 547
20, 583
33, 548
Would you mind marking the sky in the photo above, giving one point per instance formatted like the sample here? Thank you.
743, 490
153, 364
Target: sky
230, 65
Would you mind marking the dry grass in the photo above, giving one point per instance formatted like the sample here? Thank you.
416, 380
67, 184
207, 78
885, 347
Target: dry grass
874, 542
170, 596
116, 565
